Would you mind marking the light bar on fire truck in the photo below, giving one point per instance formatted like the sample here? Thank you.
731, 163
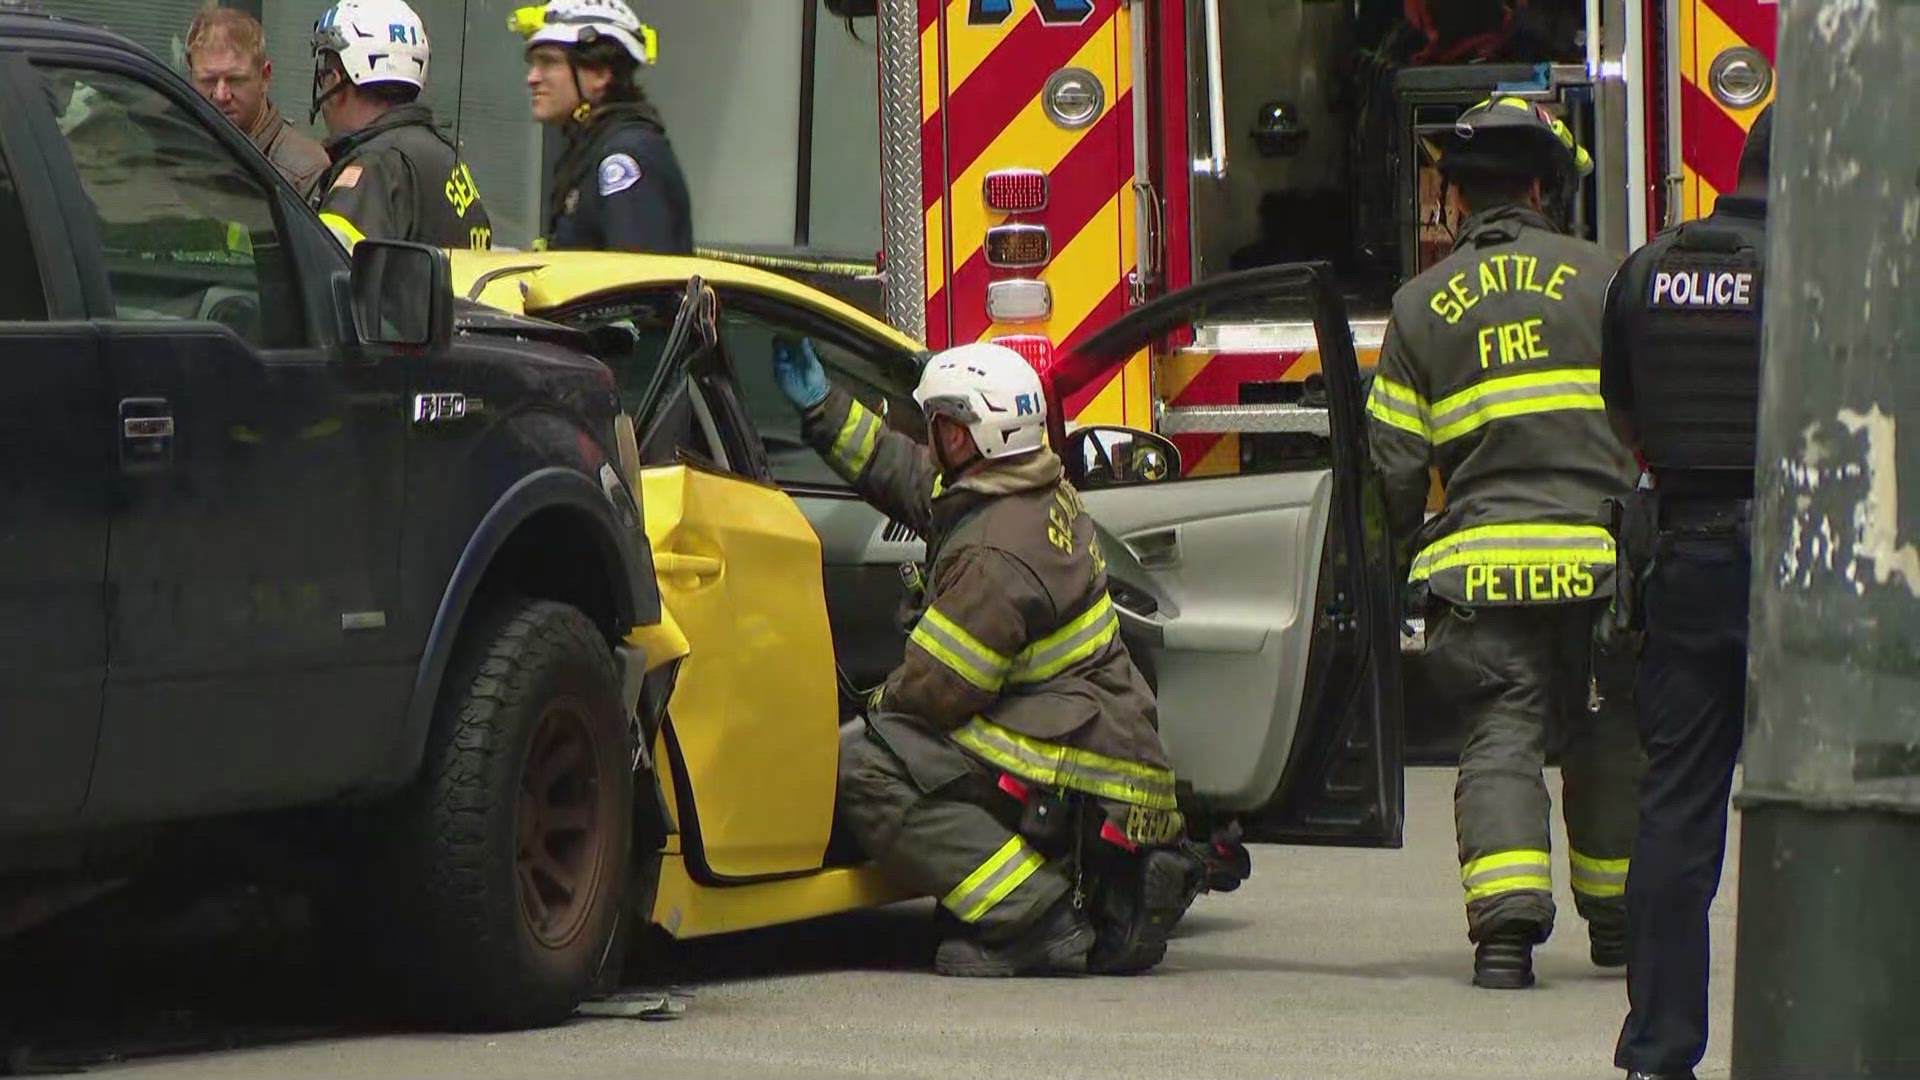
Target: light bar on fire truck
1018, 247
1035, 349
1015, 191
1019, 300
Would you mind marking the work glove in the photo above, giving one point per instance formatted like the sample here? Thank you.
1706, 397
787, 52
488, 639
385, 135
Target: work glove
798, 371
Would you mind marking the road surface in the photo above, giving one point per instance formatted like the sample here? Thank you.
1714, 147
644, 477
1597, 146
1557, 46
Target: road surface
1328, 964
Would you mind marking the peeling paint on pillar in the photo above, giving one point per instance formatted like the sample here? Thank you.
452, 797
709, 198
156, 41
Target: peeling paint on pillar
1830, 800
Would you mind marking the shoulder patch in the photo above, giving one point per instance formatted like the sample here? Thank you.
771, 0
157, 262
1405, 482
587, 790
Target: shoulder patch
618, 172
348, 177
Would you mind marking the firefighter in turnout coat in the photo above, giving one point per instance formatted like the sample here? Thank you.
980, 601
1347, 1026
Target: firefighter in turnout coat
1010, 765
1490, 371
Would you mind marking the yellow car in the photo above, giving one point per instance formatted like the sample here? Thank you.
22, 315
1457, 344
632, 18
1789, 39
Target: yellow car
1258, 604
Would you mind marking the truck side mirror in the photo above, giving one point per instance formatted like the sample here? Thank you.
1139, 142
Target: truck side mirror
1098, 457
402, 295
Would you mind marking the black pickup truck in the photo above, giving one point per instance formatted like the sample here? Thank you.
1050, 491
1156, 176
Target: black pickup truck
295, 540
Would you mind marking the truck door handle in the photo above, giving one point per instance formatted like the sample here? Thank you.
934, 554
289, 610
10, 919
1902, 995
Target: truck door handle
146, 435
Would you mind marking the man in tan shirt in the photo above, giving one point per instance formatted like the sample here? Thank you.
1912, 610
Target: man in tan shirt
227, 58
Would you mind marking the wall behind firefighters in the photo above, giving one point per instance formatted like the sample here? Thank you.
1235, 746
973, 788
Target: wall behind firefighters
728, 81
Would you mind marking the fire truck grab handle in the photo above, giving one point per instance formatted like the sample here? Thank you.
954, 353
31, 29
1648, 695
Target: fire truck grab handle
1215, 163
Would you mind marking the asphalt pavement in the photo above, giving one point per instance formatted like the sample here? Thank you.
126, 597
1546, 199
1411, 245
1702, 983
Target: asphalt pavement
1328, 964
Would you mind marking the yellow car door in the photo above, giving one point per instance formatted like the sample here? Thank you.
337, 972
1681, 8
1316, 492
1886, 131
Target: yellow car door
752, 728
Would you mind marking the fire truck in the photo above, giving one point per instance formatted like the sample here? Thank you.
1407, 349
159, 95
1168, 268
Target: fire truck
1049, 163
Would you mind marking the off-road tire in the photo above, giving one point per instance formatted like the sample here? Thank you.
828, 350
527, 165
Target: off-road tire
470, 942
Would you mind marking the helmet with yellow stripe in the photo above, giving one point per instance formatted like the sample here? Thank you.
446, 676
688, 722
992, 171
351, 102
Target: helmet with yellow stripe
573, 23
1514, 136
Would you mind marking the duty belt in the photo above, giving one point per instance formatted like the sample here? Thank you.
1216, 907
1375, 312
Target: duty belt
1706, 517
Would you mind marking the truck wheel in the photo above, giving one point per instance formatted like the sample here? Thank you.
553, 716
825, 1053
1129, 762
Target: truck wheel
519, 834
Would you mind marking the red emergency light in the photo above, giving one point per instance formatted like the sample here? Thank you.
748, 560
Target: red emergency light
1035, 349
1016, 191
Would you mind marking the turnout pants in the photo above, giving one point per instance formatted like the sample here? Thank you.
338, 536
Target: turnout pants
1690, 699
1519, 678
931, 816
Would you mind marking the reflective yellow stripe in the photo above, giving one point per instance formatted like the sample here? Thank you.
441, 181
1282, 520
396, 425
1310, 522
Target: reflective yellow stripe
1063, 766
1598, 877
993, 880
1515, 395
1522, 544
948, 642
1398, 406
348, 233
1507, 871
853, 447
1085, 636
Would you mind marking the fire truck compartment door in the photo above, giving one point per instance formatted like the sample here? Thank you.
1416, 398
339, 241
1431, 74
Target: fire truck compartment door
1219, 577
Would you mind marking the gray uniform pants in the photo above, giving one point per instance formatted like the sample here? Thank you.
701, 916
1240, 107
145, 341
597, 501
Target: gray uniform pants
1519, 678
931, 816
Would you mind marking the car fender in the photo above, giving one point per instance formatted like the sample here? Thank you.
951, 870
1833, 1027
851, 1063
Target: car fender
544, 489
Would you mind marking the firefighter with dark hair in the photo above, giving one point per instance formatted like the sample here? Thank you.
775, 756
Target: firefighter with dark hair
395, 175
617, 185
1490, 372
1680, 372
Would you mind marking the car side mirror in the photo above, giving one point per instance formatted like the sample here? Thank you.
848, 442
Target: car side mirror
1098, 457
402, 295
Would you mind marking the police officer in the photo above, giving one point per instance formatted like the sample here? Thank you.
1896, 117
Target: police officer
395, 176
1489, 370
617, 185
1680, 371
1010, 765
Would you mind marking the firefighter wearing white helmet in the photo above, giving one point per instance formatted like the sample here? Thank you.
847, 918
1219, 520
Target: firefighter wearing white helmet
395, 175
616, 185
1010, 766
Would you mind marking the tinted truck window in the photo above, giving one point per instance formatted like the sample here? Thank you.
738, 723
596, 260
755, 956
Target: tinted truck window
22, 296
188, 231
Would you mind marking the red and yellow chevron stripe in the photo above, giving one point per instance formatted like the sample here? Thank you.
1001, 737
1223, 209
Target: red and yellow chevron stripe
1711, 133
984, 66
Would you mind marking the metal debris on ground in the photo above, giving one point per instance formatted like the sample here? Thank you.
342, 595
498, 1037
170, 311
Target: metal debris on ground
670, 1004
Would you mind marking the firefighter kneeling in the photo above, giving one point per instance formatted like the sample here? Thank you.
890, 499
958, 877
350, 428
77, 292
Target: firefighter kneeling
1010, 766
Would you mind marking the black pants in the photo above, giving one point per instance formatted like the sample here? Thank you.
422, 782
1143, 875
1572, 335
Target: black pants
1690, 699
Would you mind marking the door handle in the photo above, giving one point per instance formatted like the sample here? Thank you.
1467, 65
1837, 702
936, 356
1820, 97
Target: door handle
696, 569
146, 435
1159, 549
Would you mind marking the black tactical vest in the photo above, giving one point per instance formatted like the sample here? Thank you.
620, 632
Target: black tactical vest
1693, 347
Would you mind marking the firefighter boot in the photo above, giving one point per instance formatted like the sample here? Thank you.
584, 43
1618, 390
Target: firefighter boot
1503, 961
1607, 942
1136, 910
1055, 944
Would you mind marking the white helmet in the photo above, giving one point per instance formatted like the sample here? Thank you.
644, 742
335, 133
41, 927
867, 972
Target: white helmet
993, 391
568, 23
378, 41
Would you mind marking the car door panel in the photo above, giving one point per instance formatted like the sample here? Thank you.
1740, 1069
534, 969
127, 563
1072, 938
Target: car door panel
253, 567
254, 574
56, 462
753, 712
862, 551
1262, 606
1233, 568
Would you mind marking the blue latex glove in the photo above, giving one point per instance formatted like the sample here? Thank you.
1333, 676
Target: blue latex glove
798, 371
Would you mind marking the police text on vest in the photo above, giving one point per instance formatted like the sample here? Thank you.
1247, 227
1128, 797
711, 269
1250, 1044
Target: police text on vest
1729, 289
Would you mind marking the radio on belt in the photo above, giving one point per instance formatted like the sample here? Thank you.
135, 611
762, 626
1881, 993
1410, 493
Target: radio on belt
1703, 288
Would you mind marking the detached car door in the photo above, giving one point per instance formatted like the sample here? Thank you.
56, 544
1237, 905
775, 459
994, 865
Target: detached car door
1261, 604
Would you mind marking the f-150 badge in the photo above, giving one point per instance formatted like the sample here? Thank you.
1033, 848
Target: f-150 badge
438, 408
